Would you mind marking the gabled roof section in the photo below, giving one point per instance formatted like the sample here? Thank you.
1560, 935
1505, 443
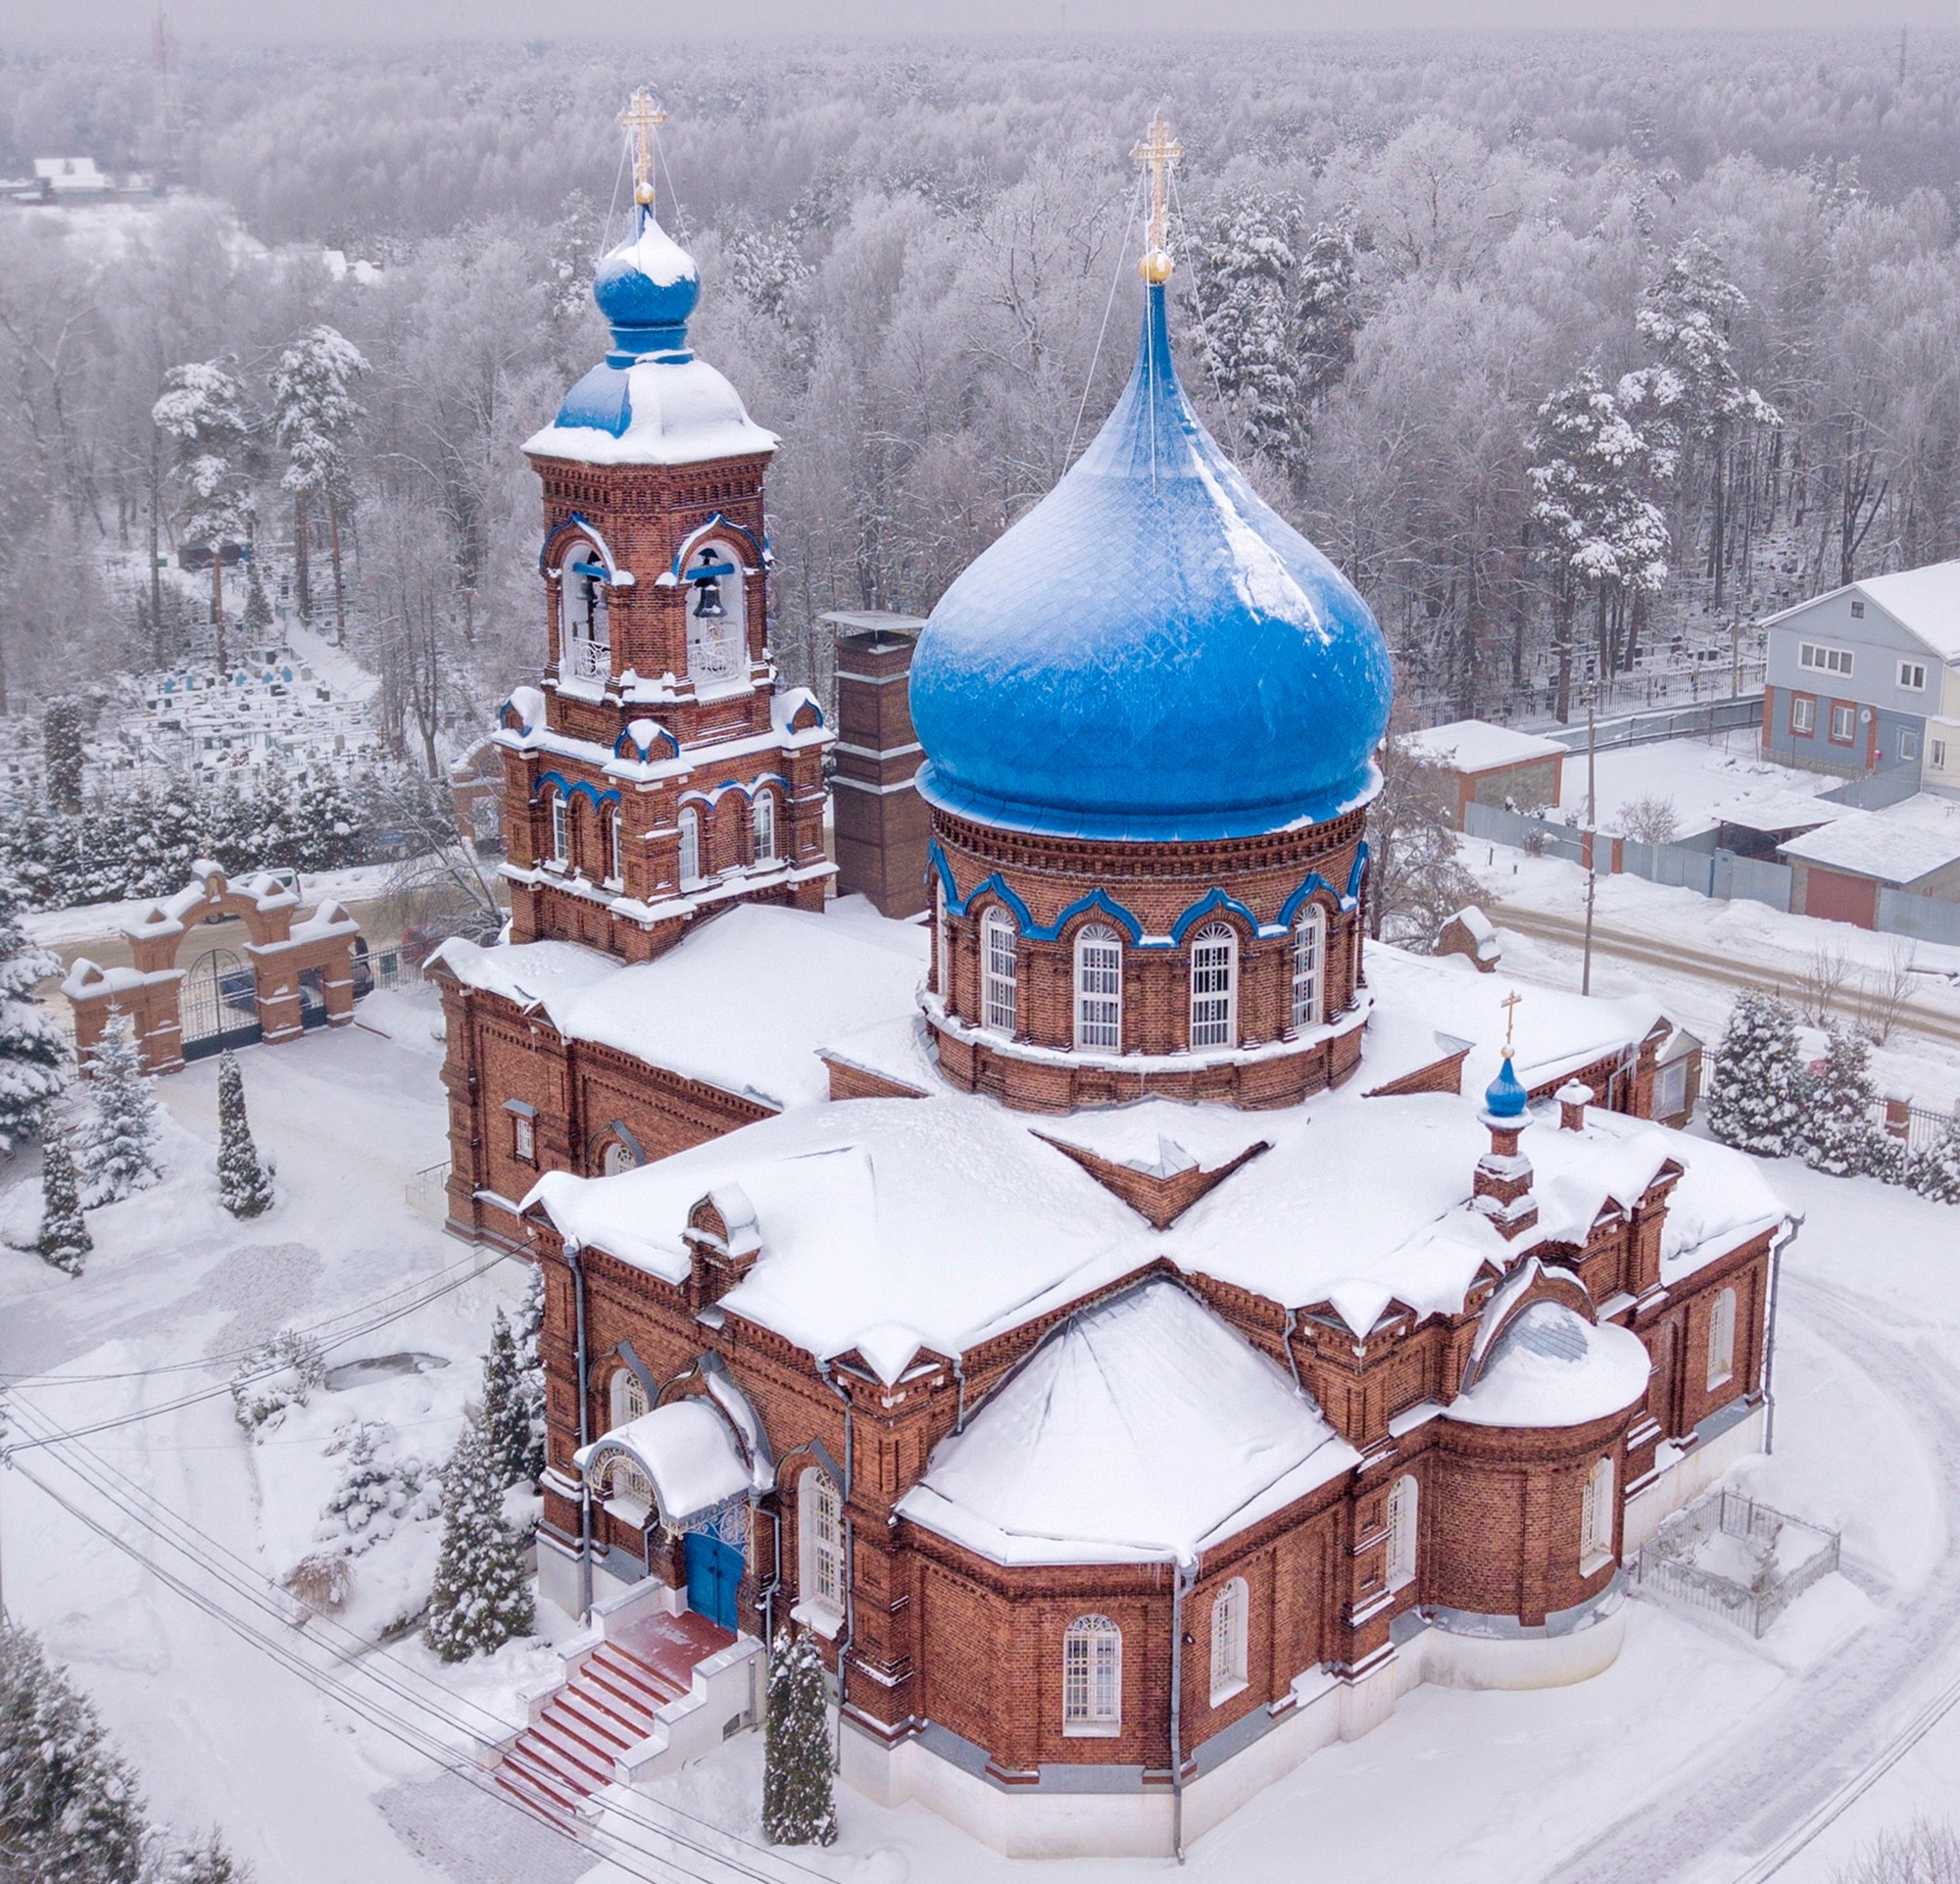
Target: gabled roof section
1925, 602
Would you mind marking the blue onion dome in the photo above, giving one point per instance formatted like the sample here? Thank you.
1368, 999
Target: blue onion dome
646, 288
1151, 653
1504, 1098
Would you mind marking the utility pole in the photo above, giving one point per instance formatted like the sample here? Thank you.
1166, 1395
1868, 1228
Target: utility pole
1591, 843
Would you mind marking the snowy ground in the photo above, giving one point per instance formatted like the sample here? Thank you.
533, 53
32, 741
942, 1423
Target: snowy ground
1684, 1761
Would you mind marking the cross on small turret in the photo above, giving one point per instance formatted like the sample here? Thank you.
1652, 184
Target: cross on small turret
1160, 153
1510, 1004
640, 119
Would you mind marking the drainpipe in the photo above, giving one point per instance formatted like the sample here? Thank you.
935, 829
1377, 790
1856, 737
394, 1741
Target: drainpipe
573, 1254
959, 1374
1181, 1582
767, 1601
1769, 1331
849, 1566
1286, 1341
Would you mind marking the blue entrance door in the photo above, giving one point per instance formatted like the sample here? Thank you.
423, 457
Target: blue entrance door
714, 1575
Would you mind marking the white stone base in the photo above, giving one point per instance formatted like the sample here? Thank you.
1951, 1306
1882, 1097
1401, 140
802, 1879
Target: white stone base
1687, 1477
1452, 1661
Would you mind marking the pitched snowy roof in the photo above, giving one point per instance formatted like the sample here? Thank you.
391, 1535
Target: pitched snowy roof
1475, 745
1924, 601
657, 411
1142, 1429
1898, 845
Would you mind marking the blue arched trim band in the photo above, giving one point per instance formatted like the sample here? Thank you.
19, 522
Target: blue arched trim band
577, 524
662, 742
1290, 907
714, 796
567, 789
718, 525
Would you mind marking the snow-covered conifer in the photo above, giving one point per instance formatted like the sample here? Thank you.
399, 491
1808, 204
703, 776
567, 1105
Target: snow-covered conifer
507, 1425
284, 1372
204, 1860
69, 1809
61, 736
1756, 1093
313, 412
203, 411
798, 1803
244, 1187
375, 1493
1839, 1134
258, 616
1935, 1171
65, 1240
32, 1048
119, 1149
482, 1596
531, 1331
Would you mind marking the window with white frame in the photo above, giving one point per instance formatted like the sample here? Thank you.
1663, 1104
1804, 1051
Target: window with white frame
1912, 676
1228, 1640
1596, 1518
766, 827
1213, 962
1404, 1495
1670, 1099
1803, 712
618, 1157
585, 647
941, 942
523, 1137
821, 1542
999, 949
1309, 952
1091, 1677
1823, 660
560, 828
1099, 989
1936, 753
1722, 1340
1908, 743
616, 857
1843, 723
629, 1395
690, 844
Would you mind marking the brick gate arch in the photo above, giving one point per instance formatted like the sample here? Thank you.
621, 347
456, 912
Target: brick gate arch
292, 953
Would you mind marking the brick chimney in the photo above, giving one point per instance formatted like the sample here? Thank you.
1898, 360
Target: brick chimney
882, 825
1573, 1098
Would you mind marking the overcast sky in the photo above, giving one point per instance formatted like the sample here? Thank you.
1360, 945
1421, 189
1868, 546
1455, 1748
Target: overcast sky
640, 20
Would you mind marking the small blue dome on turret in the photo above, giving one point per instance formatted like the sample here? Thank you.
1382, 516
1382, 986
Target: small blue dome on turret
1151, 653
1504, 1098
646, 288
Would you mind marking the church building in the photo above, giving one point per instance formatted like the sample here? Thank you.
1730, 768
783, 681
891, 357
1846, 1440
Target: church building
1142, 1326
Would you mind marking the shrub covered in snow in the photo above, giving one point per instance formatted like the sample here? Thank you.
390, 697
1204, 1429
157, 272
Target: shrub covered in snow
798, 1805
1756, 1095
377, 1491
244, 1186
32, 1048
1935, 1171
119, 1146
284, 1372
482, 1595
1841, 1135
65, 1240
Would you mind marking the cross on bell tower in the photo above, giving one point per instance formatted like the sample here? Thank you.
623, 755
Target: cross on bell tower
641, 119
1160, 153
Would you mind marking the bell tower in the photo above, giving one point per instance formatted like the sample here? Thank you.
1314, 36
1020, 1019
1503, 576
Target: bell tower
656, 772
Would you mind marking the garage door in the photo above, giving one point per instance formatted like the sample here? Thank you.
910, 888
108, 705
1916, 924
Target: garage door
1837, 898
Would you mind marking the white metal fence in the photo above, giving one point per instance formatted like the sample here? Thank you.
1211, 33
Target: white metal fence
1783, 1555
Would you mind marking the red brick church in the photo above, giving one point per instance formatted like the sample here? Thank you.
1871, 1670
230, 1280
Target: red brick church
1142, 1327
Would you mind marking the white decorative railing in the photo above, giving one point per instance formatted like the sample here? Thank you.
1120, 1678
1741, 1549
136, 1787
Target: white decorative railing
589, 660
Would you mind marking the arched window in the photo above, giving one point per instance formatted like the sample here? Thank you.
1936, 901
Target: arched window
629, 1394
1596, 1518
615, 858
1213, 964
1403, 1500
766, 827
1099, 989
1309, 954
1091, 1677
999, 944
716, 641
618, 1157
561, 827
820, 1543
1722, 1340
690, 845
1228, 1641
585, 639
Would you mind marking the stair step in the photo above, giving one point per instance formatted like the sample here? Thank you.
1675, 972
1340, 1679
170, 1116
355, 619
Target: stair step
535, 1794
551, 1740
623, 1662
608, 1720
628, 1688
538, 1761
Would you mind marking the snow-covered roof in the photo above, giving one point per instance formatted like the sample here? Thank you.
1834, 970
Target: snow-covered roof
1553, 1367
1475, 746
688, 1450
65, 174
1140, 1430
747, 1001
1924, 601
655, 411
1900, 844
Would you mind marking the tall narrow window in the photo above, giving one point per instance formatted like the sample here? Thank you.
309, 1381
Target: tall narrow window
585, 650
524, 1138
629, 1395
1213, 958
821, 1524
1722, 1340
942, 950
1228, 1641
1309, 950
690, 845
616, 861
1595, 1518
1099, 989
766, 827
998, 946
1402, 1497
1091, 1677
560, 821
716, 637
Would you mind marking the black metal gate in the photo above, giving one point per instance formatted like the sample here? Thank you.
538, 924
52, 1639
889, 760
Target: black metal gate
220, 1005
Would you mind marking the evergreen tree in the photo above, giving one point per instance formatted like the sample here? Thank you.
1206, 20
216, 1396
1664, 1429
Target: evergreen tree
798, 1805
1935, 1171
244, 1187
258, 616
32, 1047
61, 736
314, 412
507, 1425
482, 1596
64, 1240
1839, 1134
203, 411
205, 1861
531, 1373
69, 1810
121, 1147
1756, 1093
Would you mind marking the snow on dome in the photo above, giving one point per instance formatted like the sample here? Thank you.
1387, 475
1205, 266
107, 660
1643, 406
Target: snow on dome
1143, 1428
689, 1451
1553, 1367
1151, 652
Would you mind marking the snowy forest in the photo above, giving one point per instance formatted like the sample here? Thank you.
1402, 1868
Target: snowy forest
1570, 351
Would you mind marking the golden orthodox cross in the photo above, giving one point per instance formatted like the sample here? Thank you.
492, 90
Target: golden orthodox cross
641, 119
1509, 1005
1160, 153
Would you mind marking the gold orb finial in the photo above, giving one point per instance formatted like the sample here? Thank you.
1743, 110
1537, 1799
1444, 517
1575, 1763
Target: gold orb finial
1160, 153
1155, 267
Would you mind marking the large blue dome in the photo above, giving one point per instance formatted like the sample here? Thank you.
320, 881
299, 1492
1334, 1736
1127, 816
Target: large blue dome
1151, 653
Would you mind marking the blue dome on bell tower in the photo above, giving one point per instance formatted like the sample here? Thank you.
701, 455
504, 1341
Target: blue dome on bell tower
1151, 653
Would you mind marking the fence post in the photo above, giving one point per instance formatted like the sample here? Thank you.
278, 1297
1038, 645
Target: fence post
1898, 1115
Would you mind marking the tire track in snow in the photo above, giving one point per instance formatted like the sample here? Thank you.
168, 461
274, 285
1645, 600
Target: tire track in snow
1825, 1726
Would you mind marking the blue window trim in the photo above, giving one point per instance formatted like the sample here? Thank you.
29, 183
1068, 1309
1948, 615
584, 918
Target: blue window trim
567, 789
644, 753
577, 525
674, 574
